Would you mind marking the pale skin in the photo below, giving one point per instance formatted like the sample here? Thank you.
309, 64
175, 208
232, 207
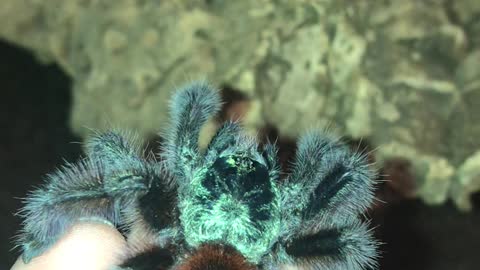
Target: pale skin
92, 246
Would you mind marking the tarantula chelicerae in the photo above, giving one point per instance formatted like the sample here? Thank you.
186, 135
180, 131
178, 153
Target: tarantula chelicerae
222, 208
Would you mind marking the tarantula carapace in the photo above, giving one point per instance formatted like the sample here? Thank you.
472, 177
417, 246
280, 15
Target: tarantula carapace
221, 208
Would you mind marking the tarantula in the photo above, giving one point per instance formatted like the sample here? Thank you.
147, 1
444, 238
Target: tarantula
221, 208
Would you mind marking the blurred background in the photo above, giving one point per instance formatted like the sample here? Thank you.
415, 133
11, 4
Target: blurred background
397, 79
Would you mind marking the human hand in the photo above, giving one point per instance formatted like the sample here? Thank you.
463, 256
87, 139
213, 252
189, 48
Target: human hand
92, 246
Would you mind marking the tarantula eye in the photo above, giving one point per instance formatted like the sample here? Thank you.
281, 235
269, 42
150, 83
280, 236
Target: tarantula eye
216, 257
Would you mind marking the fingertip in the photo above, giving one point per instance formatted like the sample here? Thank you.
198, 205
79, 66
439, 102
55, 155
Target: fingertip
86, 246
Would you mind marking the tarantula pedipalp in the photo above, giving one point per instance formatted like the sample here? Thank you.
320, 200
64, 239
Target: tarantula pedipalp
224, 208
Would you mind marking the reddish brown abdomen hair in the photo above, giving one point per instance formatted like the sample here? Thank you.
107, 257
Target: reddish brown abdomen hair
216, 257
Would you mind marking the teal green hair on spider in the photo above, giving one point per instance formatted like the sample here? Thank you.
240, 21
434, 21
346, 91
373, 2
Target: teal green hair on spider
233, 201
207, 209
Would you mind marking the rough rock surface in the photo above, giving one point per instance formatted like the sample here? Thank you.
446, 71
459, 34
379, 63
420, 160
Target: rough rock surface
402, 74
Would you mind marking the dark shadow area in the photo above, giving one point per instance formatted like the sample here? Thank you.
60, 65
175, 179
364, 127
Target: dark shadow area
417, 236
35, 102
405, 245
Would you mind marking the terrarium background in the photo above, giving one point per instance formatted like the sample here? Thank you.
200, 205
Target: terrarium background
401, 78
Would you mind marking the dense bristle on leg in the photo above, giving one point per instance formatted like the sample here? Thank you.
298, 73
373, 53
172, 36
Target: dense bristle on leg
328, 179
346, 247
96, 188
269, 153
190, 108
114, 149
226, 137
322, 198
72, 193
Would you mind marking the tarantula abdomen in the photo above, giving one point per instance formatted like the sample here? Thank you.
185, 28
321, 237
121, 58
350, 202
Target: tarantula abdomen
216, 256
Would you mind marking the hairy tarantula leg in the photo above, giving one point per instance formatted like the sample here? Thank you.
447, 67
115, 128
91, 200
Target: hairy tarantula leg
71, 193
97, 188
114, 150
226, 136
328, 178
190, 108
349, 246
121, 162
156, 258
270, 154
154, 210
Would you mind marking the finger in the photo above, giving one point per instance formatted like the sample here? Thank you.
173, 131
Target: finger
86, 246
